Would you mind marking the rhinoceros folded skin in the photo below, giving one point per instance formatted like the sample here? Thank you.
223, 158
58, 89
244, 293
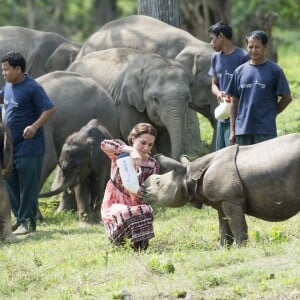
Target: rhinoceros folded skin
260, 180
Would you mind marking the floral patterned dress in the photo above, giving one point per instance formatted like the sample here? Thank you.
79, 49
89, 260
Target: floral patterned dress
126, 215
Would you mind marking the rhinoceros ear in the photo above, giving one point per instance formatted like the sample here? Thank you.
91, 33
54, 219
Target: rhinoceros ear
170, 164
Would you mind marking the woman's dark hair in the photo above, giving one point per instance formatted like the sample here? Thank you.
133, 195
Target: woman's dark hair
15, 59
221, 27
257, 34
139, 129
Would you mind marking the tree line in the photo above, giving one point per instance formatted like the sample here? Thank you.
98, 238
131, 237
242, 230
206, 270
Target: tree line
77, 19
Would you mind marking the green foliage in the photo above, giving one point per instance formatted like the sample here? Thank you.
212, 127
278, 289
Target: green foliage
157, 265
288, 10
77, 18
127, 7
289, 120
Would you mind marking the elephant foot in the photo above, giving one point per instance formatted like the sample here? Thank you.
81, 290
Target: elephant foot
63, 206
83, 224
10, 239
88, 220
68, 202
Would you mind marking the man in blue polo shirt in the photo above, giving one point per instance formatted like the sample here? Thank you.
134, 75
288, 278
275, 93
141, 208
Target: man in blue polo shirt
259, 91
27, 108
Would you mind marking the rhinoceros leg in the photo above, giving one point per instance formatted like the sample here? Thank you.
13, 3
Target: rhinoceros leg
235, 215
226, 236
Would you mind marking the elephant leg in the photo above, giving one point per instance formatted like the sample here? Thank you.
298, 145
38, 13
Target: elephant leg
235, 215
5, 216
50, 157
49, 163
82, 196
98, 183
226, 236
97, 192
68, 201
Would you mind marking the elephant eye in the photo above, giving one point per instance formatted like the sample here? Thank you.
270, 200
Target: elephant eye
155, 100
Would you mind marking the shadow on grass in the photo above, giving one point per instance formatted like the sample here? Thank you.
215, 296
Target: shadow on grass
44, 233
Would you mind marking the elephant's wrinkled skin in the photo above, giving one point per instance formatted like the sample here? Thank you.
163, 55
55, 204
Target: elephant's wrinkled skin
6, 149
152, 35
146, 88
260, 180
84, 167
77, 99
44, 51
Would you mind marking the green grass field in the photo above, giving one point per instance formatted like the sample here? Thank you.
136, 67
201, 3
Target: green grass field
184, 261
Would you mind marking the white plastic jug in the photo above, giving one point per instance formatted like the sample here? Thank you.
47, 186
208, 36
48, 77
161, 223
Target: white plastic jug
128, 173
223, 109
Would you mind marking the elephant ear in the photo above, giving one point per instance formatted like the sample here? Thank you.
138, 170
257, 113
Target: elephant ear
131, 87
193, 59
62, 57
96, 154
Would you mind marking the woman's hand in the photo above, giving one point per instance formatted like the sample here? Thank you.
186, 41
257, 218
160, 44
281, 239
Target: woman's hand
134, 154
136, 158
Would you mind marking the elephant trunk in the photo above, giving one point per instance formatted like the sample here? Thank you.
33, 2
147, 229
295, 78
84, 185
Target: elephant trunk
177, 142
51, 193
175, 125
58, 186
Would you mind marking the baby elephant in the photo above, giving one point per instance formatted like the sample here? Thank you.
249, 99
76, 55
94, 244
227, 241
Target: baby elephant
6, 149
260, 180
84, 168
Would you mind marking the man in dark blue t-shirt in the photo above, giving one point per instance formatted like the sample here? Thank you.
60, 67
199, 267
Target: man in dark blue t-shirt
27, 108
223, 62
259, 91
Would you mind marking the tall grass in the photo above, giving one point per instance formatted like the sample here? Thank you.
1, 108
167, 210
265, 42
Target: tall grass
184, 261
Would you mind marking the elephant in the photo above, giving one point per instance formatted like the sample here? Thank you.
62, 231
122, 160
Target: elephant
146, 87
77, 99
260, 180
62, 57
43, 51
84, 167
152, 35
6, 148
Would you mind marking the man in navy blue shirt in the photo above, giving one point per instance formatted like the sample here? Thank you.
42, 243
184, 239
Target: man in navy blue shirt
223, 62
27, 109
259, 91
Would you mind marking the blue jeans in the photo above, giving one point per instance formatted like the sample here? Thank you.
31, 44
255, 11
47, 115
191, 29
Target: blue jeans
23, 188
223, 134
250, 139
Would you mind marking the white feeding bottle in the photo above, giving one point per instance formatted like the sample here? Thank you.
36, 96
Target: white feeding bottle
128, 173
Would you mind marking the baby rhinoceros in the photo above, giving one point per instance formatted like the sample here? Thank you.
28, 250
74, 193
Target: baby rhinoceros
260, 180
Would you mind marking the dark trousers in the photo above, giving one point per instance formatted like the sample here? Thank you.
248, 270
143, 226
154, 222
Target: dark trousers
250, 139
23, 188
223, 134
